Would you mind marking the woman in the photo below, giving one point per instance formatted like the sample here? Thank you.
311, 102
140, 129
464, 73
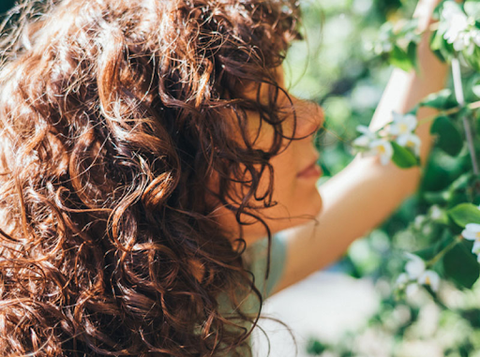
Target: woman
147, 149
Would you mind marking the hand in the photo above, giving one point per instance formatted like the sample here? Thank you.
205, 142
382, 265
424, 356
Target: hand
423, 12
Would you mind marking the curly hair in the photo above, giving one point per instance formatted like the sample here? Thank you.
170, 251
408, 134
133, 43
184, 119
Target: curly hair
112, 121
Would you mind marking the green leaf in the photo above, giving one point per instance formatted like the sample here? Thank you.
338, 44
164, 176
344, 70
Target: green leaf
431, 251
435, 41
399, 58
472, 8
441, 100
326, 171
473, 58
464, 213
315, 347
461, 265
412, 55
437, 197
449, 138
440, 47
461, 182
403, 157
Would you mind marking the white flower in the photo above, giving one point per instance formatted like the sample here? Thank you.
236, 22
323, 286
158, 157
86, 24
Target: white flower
382, 47
456, 22
435, 212
402, 279
476, 247
383, 149
450, 10
416, 273
419, 220
410, 141
411, 289
384, 42
402, 124
431, 278
475, 33
415, 267
412, 37
366, 138
472, 232
459, 28
404, 282
387, 46
461, 41
465, 41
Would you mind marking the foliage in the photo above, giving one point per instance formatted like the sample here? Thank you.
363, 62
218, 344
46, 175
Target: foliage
438, 224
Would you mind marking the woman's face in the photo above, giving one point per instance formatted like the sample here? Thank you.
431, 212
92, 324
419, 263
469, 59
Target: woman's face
295, 171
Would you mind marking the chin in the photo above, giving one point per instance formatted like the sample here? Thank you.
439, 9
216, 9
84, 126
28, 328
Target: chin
309, 204
312, 210
302, 214
300, 210
318, 203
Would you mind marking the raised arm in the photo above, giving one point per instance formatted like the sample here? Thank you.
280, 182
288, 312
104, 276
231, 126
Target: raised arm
365, 193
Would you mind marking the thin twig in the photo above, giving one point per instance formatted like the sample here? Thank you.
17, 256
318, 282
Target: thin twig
441, 253
472, 106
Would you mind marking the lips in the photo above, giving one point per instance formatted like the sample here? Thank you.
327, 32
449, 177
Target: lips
312, 170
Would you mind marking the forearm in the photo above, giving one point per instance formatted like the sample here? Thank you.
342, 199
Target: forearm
355, 201
388, 185
366, 192
404, 91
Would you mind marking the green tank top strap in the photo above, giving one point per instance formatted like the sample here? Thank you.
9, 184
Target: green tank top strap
256, 260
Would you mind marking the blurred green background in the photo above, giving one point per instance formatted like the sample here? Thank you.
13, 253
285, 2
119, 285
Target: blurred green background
336, 67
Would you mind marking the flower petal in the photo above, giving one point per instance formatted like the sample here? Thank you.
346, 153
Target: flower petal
384, 159
362, 141
411, 141
396, 116
365, 131
476, 247
431, 278
415, 267
474, 227
383, 148
411, 121
402, 279
411, 289
470, 235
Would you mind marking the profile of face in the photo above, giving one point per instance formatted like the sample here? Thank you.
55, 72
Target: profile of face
295, 170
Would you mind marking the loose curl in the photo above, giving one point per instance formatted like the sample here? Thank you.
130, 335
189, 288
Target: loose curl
114, 116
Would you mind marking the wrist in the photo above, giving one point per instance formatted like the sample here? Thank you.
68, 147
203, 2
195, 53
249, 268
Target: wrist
423, 12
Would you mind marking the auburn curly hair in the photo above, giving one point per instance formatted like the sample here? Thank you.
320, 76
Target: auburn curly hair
112, 120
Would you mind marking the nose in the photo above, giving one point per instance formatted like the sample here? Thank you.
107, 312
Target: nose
309, 116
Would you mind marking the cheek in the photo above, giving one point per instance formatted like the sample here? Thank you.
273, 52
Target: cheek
298, 201
297, 197
285, 182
